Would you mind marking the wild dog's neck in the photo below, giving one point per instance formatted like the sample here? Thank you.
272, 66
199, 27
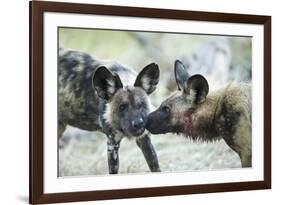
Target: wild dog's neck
198, 123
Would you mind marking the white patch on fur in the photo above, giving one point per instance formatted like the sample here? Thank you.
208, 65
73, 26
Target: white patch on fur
80, 58
145, 82
79, 67
110, 147
107, 114
118, 136
111, 86
191, 95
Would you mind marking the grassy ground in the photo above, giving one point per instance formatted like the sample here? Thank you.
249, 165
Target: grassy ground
84, 153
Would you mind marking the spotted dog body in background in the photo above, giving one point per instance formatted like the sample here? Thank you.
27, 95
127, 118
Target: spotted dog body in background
107, 97
223, 114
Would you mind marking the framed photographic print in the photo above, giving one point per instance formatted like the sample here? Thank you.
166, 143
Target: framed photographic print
139, 102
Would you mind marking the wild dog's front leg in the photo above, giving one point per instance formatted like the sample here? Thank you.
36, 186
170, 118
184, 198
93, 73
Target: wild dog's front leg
112, 155
149, 153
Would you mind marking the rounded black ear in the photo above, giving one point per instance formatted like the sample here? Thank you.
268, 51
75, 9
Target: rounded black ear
148, 78
105, 83
181, 75
199, 86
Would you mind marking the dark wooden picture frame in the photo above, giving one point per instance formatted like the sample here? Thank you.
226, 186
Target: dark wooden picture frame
37, 9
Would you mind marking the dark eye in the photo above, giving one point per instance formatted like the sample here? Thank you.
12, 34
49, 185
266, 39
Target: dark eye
123, 107
166, 109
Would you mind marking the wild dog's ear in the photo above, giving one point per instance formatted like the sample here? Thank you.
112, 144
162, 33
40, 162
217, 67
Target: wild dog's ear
198, 86
106, 83
181, 75
148, 78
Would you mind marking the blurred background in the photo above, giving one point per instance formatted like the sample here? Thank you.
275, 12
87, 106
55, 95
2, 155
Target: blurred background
221, 59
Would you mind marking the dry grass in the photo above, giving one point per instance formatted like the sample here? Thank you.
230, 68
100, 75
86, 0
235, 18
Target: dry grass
84, 153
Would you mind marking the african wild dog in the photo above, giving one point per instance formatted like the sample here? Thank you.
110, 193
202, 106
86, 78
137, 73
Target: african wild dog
107, 97
225, 113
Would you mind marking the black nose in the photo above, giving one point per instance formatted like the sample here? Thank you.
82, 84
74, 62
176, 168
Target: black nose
138, 123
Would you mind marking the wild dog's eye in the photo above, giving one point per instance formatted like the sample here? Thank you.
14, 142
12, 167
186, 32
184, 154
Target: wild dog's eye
166, 109
123, 107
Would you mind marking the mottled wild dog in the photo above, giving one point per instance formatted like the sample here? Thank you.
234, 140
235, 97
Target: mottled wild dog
224, 113
107, 97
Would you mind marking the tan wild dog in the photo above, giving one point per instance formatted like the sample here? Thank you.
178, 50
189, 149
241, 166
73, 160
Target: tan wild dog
198, 114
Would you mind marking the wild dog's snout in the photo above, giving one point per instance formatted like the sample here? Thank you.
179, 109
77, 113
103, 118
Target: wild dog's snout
138, 123
149, 121
151, 124
157, 122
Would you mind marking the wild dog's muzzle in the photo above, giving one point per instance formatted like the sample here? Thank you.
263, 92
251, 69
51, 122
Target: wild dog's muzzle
137, 126
157, 122
138, 123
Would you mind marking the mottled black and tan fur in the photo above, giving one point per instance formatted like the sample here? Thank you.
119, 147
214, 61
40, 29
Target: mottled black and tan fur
200, 115
107, 97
